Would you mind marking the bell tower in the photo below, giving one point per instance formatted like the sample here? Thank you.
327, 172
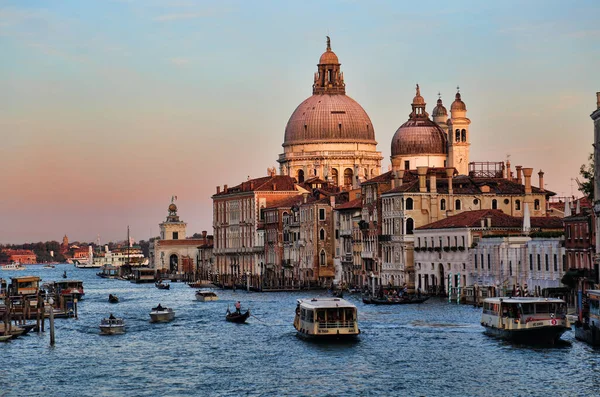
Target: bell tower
458, 136
173, 228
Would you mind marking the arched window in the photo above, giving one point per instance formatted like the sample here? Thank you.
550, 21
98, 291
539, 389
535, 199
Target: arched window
457, 135
410, 225
173, 263
409, 203
300, 176
348, 174
536, 205
322, 258
322, 234
494, 204
464, 135
518, 205
334, 176
443, 204
457, 204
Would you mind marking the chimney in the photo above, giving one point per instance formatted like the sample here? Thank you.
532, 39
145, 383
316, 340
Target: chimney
449, 174
400, 176
224, 188
204, 233
304, 197
508, 175
541, 175
332, 201
527, 173
488, 221
218, 189
433, 183
598, 100
482, 223
274, 186
519, 168
251, 185
422, 171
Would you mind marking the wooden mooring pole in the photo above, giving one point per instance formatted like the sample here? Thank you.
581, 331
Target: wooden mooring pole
51, 302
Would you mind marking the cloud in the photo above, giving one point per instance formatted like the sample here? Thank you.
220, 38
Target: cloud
179, 61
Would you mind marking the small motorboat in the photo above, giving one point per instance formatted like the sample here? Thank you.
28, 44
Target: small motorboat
161, 314
161, 285
112, 326
206, 296
48, 266
237, 317
113, 298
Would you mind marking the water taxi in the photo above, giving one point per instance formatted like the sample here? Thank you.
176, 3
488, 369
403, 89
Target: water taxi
587, 326
161, 314
525, 320
205, 296
112, 326
326, 318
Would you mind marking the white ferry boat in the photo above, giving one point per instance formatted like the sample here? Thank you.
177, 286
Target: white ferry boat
206, 296
525, 320
13, 266
587, 326
326, 318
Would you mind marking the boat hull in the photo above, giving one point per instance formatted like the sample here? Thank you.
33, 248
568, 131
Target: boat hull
237, 318
547, 335
375, 301
206, 298
112, 330
587, 334
162, 317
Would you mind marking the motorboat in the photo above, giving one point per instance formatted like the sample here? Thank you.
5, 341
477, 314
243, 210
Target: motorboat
326, 318
525, 319
113, 298
112, 326
48, 266
71, 288
206, 296
160, 314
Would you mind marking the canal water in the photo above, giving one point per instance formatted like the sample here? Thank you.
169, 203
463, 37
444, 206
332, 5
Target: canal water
431, 349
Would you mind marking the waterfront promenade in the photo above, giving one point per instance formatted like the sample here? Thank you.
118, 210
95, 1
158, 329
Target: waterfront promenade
431, 349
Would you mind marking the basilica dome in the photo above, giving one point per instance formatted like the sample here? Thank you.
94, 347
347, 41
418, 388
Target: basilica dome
419, 135
331, 118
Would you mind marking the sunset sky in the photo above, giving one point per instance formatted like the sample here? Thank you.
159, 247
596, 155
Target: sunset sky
109, 108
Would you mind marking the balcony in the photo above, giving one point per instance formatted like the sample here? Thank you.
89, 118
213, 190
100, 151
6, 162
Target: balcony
366, 255
347, 258
384, 238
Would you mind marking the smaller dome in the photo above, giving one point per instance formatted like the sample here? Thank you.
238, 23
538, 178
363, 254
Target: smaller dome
329, 58
458, 104
172, 208
439, 110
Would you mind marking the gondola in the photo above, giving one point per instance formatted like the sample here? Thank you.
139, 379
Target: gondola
113, 298
160, 285
393, 301
237, 318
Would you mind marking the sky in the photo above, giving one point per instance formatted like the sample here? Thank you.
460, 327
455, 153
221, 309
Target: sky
109, 108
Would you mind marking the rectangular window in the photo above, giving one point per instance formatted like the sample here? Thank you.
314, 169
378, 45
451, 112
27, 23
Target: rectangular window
489, 261
475, 257
337, 234
530, 261
539, 262
547, 264
406, 164
555, 263
321, 214
175, 235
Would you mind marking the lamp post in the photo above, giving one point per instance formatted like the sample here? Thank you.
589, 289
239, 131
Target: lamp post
262, 265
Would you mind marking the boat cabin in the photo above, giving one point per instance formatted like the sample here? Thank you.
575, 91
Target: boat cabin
3, 288
144, 275
28, 285
528, 309
108, 271
326, 317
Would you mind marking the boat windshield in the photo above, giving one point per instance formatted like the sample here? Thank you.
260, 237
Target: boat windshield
555, 308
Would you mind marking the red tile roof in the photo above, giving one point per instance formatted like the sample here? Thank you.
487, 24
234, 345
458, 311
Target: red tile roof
276, 183
498, 220
356, 203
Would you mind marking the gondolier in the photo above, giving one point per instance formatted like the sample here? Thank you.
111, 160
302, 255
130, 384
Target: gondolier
238, 307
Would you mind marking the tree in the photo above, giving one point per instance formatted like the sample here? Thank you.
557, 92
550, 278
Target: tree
587, 173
